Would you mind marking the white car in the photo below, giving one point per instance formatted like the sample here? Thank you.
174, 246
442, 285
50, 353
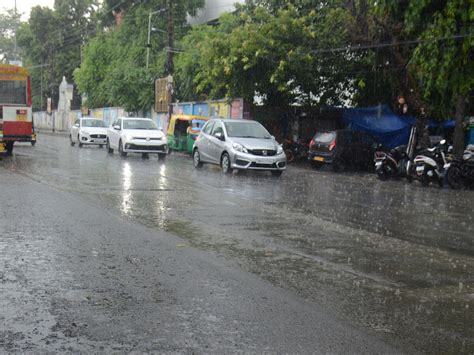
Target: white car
87, 130
136, 135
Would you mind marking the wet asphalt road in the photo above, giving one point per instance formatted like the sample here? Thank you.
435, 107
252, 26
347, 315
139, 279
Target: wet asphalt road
103, 253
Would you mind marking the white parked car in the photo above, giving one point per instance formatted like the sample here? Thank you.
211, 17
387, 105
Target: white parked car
136, 135
87, 130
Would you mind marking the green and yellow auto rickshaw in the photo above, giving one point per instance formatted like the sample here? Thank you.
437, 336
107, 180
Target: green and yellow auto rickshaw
183, 131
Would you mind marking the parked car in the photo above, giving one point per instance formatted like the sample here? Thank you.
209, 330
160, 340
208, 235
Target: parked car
88, 130
136, 135
342, 148
238, 144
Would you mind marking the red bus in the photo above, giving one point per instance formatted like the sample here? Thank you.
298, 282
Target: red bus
16, 117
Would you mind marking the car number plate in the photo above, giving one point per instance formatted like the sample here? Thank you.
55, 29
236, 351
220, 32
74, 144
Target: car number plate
318, 158
261, 161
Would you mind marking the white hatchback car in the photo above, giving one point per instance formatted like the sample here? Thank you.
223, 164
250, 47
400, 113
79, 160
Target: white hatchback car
88, 130
136, 135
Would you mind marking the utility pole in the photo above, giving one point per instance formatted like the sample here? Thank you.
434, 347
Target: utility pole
148, 44
169, 61
14, 50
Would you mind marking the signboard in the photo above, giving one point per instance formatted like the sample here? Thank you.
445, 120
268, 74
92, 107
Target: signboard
162, 95
21, 115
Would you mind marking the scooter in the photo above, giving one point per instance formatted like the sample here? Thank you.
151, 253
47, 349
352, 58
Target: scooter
432, 165
461, 172
391, 164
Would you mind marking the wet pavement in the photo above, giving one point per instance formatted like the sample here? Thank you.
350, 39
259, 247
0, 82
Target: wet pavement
343, 261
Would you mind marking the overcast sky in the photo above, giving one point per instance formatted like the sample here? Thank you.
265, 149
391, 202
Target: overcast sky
24, 6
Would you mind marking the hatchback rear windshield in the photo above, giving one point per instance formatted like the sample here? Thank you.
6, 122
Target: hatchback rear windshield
246, 130
139, 124
324, 137
93, 123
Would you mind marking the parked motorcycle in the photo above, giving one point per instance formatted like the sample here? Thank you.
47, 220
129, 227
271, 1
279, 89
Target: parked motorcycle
295, 151
461, 172
432, 163
391, 164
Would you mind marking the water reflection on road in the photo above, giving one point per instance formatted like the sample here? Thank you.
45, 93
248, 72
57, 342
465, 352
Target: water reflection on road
395, 257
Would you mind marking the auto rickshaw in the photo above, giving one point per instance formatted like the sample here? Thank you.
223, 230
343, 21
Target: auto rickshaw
183, 131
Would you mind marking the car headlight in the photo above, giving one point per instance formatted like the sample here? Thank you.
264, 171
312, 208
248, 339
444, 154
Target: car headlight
279, 149
239, 147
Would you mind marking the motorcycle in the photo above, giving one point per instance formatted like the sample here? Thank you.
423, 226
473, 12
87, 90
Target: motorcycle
391, 164
296, 150
461, 172
432, 164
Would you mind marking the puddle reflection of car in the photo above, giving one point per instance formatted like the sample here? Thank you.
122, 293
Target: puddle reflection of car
136, 135
90, 131
238, 144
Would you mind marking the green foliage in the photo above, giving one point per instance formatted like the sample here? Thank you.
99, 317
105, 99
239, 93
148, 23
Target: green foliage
256, 52
8, 23
444, 67
51, 42
113, 71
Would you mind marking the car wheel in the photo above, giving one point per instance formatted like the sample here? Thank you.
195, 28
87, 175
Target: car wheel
277, 173
9, 147
107, 146
225, 164
162, 156
197, 159
121, 152
338, 165
79, 141
72, 142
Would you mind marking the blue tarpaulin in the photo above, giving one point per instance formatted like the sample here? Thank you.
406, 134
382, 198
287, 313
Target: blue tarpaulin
382, 123
379, 121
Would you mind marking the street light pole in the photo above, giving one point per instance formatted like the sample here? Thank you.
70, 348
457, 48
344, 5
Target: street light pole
148, 44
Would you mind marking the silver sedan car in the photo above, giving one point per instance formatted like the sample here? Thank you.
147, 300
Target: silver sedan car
238, 144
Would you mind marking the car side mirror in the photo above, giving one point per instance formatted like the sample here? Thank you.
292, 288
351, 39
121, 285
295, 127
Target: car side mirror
272, 137
219, 135
76, 125
117, 127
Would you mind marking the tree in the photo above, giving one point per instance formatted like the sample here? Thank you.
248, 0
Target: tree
439, 66
444, 59
114, 68
52, 40
274, 56
8, 23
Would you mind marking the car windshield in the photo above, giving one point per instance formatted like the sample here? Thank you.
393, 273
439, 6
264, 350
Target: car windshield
246, 130
139, 124
93, 123
324, 137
